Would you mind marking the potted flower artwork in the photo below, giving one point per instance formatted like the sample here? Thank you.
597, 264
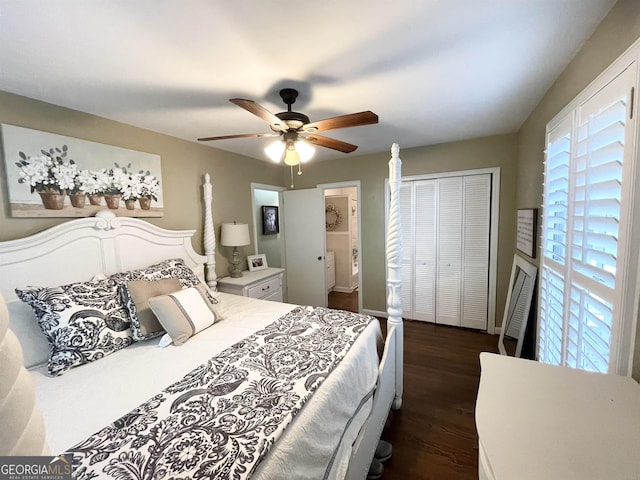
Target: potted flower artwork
95, 184
78, 194
50, 175
150, 188
112, 192
132, 190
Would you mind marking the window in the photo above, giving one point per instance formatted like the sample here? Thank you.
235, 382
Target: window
588, 189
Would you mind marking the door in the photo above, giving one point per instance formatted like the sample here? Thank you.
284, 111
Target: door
446, 243
449, 247
425, 251
304, 237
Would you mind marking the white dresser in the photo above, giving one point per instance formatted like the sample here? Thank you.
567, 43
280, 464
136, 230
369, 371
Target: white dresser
540, 422
263, 284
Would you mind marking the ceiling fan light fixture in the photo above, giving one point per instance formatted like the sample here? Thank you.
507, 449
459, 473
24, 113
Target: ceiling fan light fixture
291, 155
292, 152
305, 151
275, 151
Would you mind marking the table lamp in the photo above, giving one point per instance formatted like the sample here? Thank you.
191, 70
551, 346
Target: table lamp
235, 235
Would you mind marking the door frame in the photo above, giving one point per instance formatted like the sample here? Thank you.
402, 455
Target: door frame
493, 227
273, 188
352, 184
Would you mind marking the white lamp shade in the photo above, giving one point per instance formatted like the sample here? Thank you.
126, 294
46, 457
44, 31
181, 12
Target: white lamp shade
305, 151
275, 151
234, 234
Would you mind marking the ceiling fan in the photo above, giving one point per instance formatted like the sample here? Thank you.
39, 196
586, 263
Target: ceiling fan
297, 132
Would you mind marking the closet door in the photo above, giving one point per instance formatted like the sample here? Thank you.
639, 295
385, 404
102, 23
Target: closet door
425, 251
475, 250
449, 257
445, 266
407, 220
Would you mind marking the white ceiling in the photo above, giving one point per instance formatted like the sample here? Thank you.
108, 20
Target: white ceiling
433, 70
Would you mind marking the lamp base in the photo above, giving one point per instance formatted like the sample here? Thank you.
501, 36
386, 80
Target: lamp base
234, 269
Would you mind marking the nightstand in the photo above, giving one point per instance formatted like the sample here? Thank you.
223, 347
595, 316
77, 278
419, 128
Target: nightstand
263, 284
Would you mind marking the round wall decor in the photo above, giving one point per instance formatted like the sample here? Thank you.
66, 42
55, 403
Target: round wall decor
333, 217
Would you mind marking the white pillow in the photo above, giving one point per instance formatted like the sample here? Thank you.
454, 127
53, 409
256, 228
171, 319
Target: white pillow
35, 346
184, 313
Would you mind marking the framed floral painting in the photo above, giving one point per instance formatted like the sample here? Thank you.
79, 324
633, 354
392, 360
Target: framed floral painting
49, 175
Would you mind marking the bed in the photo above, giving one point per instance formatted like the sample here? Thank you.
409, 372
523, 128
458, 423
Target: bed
112, 412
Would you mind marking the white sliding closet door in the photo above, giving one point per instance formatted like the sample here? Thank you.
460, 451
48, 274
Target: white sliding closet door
449, 250
407, 219
475, 250
425, 251
446, 231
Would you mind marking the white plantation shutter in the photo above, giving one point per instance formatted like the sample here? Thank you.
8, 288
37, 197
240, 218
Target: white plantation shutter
587, 164
554, 242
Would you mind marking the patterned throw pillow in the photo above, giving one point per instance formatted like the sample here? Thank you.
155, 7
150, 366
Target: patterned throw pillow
174, 269
86, 321
83, 322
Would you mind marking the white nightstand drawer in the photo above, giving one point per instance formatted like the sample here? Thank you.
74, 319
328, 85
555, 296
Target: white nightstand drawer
262, 284
264, 289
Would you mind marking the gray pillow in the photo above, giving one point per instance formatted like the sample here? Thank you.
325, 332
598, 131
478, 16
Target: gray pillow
136, 294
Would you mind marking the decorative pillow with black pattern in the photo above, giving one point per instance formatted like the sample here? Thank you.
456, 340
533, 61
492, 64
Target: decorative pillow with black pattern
143, 323
83, 322
174, 268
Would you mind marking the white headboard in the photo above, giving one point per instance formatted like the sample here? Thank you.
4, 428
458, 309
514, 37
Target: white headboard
77, 250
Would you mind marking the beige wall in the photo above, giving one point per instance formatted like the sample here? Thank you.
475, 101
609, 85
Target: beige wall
183, 163
183, 167
371, 170
619, 29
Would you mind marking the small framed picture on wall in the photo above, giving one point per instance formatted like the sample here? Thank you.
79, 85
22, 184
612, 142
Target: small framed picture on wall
270, 221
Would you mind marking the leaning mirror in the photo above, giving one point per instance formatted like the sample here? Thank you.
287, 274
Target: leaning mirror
516, 311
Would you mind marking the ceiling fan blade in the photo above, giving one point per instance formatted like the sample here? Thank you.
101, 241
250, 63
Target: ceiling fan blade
330, 143
241, 135
343, 121
259, 111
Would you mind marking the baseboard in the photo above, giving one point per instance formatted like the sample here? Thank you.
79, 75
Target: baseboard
374, 313
344, 289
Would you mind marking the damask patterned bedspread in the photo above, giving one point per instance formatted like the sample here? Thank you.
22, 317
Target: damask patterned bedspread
224, 416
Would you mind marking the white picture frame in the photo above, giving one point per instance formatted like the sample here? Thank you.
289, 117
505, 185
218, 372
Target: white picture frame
257, 262
516, 311
527, 226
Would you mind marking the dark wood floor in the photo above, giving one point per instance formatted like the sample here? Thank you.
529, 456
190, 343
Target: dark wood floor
344, 301
434, 433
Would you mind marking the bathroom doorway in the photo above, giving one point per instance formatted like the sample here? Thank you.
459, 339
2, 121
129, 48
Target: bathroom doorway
343, 256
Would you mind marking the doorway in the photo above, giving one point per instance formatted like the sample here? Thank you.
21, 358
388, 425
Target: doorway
343, 240
342, 258
270, 243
